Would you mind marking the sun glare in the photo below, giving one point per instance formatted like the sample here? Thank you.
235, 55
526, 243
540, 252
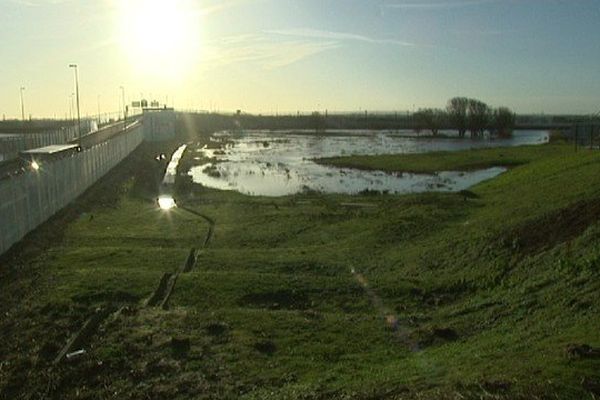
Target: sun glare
161, 38
166, 203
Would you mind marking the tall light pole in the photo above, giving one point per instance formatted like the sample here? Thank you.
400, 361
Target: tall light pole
124, 107
98, 111
76, 72
22, 105
71, 107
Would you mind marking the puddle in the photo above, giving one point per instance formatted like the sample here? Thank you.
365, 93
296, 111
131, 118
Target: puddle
264, 163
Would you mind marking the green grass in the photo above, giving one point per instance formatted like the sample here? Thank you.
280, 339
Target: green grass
290, 298
466, 160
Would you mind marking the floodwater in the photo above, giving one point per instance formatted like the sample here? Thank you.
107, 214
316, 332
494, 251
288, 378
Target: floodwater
171, 172
263, 163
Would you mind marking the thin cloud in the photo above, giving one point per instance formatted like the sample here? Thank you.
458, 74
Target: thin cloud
221, 6
484, 32
336, 36
37, 3
278, 48
437, 5
262, 50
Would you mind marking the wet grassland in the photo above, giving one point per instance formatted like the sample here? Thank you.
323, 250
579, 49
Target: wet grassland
489, 293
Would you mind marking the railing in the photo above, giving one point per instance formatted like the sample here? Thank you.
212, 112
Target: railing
11, 144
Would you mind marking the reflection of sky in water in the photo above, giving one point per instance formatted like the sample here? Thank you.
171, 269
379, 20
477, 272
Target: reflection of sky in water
277, 163
171, 172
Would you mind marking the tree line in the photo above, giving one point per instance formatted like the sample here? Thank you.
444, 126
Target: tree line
461, 113
467, 115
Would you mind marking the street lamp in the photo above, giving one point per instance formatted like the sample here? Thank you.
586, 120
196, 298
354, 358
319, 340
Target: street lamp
22, 105
76, 72
124, 108
71, 107
98, 111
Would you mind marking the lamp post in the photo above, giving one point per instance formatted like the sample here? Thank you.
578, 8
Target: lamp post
98, 111
124, 108
76, 72
71, 107
22, 105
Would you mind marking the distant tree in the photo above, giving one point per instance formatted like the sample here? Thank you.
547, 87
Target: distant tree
457, 110
504, 121
431, 119
418, 121
318, 122
479, 116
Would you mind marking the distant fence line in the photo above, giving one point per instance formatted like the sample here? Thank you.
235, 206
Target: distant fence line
29, 199
586, 134
12, 144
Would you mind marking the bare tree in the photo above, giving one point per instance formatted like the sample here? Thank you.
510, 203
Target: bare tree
504, 121
479, 115
457, 109
318, 122
430, 118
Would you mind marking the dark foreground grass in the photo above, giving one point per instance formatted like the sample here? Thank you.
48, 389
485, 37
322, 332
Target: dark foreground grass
313, 296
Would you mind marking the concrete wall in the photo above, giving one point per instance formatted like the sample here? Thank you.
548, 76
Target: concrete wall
29, 199
159, 124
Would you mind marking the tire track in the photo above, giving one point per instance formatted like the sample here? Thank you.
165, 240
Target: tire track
161, 296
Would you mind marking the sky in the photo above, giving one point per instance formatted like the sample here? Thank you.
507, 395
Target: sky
279, 56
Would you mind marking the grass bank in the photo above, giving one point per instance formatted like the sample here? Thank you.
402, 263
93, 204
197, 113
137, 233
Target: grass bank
314, 296
467, 160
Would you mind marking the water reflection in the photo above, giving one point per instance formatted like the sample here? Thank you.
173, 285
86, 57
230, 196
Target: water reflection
171, 172
280, 163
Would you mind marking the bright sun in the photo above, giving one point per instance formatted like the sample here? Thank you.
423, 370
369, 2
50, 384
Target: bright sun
160, 37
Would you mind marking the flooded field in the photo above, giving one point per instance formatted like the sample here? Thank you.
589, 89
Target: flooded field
263, 163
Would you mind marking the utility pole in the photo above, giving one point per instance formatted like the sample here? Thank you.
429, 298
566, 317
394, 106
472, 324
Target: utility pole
76, 72
22, 105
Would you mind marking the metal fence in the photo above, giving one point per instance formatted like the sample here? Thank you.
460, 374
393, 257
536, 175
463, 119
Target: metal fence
12, 144
31, 198
586, 134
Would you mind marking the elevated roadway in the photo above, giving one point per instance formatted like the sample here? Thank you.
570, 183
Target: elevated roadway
18, 165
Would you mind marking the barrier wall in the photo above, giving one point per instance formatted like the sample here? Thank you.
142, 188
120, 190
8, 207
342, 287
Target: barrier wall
12, 144
29, 199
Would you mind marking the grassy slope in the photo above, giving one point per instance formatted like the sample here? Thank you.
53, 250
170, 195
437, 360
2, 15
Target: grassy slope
466, 160
277, 306
110, 248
